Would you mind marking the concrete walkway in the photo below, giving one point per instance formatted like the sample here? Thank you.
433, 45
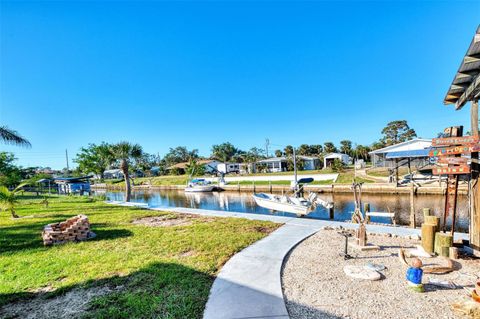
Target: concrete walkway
249, 284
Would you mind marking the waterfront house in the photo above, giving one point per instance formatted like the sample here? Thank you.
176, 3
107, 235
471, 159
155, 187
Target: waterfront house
415, 150
211, 166
226, 168
73, 185
113, 174
328, 160
279, 164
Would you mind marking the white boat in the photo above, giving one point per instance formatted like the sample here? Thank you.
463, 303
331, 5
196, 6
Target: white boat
199, 185
295, 205
324, 203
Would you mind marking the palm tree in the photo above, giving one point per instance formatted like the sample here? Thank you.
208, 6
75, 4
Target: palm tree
9, 199
193, 168
125, 153
9, 136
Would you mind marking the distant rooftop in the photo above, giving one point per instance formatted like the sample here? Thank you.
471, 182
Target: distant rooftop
184, 164
416, 143
335, 155
284, 159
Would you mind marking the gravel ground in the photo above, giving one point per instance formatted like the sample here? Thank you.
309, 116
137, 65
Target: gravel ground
315, 286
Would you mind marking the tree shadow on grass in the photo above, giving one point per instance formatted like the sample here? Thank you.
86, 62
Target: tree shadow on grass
159, 290
79, 210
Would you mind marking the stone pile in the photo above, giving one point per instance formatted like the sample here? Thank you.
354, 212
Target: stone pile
73, 229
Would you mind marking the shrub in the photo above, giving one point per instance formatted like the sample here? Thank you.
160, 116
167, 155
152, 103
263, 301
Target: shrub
337, 165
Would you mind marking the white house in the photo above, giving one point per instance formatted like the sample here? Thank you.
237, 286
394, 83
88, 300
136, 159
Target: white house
328, 160
279, 164
309, 162
211, 166
416, 150
228, 168
113, 173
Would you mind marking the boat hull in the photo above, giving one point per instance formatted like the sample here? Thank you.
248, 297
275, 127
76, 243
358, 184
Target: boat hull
200, 188
269, 203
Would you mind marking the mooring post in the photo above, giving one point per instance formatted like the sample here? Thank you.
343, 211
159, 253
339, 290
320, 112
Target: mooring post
331, 212
254, 186
270, 184
366, 209
426, 212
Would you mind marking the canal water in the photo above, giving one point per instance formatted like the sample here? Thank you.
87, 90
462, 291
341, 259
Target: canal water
343, 204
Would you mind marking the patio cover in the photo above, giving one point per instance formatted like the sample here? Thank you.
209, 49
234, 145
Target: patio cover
408, 154
466, 84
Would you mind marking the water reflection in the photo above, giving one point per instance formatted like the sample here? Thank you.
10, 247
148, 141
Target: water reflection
344, 205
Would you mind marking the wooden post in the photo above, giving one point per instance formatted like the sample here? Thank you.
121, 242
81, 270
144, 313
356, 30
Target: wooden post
428, 237
366, 209
331, 213
443, 242
455, 207
413, 224
426, 212
396, 172
453, 253
254, 186
270, 184
474, 185
361, 235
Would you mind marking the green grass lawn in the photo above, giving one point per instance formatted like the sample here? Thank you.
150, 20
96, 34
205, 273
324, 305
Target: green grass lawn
344, 177
285, 183
163, 272
347, 177
384, 171
156, 181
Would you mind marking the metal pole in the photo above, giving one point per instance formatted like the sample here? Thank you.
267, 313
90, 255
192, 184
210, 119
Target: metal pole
295, 170
66, 156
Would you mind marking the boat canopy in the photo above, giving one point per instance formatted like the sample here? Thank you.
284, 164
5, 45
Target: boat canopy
408, 154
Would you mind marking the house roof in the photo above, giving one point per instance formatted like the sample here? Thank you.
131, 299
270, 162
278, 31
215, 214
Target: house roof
273, 159
112, 171
184, 164
466, 83
284, 159
68, 180
415, 144
335, 155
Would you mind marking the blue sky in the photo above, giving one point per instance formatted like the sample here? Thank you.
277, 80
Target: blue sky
164, 74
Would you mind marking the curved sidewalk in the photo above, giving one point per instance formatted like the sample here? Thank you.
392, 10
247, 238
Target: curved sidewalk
249, 284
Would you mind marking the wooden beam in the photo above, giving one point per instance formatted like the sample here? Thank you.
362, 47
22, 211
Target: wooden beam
472, 72
469, 93
474, 192
471, 58
460, 86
